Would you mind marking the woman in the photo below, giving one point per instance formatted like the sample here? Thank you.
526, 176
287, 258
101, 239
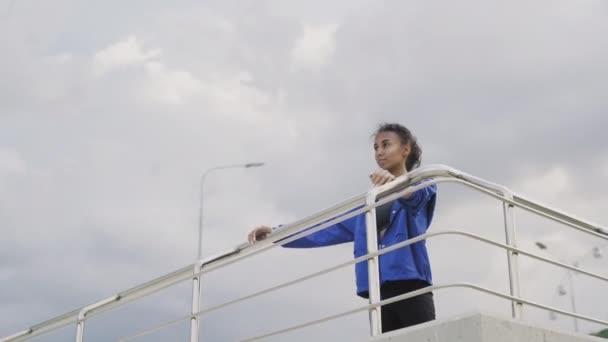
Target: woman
403, 270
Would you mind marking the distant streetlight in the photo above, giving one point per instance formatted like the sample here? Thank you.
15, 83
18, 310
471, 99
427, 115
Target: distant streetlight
199, 254
196, 280
596, 252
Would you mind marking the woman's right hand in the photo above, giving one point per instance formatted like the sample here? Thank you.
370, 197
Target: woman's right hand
259, 233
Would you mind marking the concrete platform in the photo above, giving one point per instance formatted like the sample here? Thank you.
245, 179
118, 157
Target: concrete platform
478, 327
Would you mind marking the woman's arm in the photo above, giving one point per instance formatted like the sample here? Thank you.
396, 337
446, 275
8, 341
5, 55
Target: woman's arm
418, 199
341, 232
332, 235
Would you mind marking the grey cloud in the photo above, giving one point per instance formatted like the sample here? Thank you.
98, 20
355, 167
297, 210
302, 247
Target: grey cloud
505, 93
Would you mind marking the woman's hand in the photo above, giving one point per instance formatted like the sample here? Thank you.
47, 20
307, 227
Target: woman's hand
381, 177
259, 233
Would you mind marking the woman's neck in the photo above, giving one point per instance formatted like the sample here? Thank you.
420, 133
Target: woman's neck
399, 171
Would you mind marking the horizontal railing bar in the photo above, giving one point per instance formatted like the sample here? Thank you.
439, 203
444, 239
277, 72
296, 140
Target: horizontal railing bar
523, 203
404, 244
283, 237
473, 182
443, 170
274, 241
580, 226
518, 199
417, 293
123, 297
538, 207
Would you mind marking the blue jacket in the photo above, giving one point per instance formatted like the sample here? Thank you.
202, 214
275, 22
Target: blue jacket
409, 218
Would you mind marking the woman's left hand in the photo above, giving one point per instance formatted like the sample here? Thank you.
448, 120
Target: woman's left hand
380, 177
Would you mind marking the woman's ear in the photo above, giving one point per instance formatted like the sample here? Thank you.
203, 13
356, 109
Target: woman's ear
405, 150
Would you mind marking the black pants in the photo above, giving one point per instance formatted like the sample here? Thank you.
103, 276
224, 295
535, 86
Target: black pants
409, 311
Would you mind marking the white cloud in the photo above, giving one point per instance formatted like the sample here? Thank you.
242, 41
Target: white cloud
160, 83
127, 52
234, 96
166, 86
314, 47
228, 95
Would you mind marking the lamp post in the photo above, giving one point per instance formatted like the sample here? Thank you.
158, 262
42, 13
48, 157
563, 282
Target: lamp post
596, 252
196, 280
199, 254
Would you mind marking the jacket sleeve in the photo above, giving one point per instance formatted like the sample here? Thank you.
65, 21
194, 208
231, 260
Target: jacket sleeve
420, 198
338, 233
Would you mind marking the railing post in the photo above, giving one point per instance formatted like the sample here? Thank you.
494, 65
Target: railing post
572, 299
375, 317
196, 303
80, 329
512, 262
82, 314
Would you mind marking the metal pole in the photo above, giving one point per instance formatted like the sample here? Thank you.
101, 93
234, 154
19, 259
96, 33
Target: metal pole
196, 304
570, 275
196, 281
199, 254
82, 315
80, 331
375, 313
512, 263
572, 299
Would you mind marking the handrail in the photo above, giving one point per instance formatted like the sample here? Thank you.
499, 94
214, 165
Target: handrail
362, 258
418, 178
121, 298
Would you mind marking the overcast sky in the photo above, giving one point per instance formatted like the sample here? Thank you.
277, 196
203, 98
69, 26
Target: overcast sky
111, 111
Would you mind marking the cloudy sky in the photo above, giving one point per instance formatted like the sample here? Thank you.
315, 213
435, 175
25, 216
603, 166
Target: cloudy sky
111, 111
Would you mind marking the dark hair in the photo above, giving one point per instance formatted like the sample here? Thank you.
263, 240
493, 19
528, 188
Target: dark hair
415, 156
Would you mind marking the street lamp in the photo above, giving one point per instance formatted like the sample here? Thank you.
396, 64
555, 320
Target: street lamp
199, 254
196, 280
596, 252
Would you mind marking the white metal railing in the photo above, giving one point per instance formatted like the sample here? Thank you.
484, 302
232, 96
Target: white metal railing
361, 204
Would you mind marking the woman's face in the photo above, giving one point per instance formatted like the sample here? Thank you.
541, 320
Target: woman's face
390, 153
